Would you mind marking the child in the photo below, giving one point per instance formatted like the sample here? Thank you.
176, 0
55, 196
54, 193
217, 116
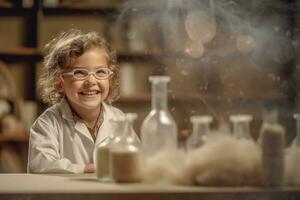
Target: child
80, 81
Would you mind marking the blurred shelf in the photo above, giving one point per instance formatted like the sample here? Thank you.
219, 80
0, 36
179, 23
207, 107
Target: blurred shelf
142, 98
20, 53
14, 137
15, 11
34, 54
211, 98
129, 56
82, 9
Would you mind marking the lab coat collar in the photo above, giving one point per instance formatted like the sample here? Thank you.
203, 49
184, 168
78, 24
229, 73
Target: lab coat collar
104, 130
68, 115
66, 110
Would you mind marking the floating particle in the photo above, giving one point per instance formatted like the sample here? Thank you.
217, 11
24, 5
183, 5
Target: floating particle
194, 49
245, 43
184, 72
200, 26
241, 93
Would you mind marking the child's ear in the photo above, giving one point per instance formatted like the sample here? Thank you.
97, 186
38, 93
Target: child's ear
58, 84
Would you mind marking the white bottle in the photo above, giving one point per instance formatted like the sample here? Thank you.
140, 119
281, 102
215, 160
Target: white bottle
159, 129
241, 129
200, 131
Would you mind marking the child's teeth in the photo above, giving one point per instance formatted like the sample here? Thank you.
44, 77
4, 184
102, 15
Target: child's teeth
90, 93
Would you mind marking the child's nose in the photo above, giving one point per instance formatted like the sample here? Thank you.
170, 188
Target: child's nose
91, 78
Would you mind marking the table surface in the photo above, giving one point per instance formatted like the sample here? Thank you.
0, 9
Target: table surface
86, 186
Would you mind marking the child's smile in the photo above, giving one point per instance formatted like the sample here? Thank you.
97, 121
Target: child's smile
90, 93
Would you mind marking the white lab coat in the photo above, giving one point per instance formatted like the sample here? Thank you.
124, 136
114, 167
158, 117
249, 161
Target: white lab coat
58, 144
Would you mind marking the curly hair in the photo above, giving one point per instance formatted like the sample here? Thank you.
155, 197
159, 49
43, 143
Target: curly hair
62, 51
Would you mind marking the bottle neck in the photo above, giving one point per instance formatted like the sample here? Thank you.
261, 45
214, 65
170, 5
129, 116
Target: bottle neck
159, 96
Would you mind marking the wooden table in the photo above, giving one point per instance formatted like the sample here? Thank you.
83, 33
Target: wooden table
86, 187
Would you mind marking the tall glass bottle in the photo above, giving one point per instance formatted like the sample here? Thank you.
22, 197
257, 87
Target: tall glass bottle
296, 141
270, 117
200, 131
159, 129
125, 154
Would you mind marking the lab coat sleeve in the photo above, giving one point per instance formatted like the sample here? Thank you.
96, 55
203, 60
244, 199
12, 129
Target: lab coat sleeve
44, 154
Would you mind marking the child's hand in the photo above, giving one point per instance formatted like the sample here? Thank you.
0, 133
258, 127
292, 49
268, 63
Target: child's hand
89, 168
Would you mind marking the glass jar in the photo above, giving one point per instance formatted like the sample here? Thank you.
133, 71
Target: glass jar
159, 129
126, 155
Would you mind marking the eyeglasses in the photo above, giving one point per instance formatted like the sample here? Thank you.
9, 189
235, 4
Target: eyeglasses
82, 73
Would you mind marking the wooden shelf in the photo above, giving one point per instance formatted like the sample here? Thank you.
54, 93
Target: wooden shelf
135, 99
80, 9
25, 53
211, 98
142, 56
14, 137
20, 53
16, 11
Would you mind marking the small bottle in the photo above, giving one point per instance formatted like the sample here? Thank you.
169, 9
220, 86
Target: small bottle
296, 141
102, 152
200, 131
125, 155
241, 129
273, 145
159, 129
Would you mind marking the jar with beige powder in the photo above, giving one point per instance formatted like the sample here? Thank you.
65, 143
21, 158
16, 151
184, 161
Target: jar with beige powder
125, 154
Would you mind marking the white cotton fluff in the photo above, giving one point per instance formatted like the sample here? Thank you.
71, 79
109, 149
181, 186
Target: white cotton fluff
166, 168
292, 163
225, 161
222, 161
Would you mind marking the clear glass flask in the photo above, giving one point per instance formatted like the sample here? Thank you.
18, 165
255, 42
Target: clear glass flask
125, 154
241, 126
102, 151
296, 141
159, 129
201, 129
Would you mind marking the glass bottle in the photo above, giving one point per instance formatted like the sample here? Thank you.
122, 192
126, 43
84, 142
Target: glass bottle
273, 150
159, 129
270, 116
272, 142
200, 131
125, 154
296, 141
102, 151
241, 129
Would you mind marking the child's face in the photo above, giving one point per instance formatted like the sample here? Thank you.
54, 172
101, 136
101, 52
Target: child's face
89, 93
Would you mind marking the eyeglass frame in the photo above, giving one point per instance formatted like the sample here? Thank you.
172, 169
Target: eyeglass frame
88, 75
